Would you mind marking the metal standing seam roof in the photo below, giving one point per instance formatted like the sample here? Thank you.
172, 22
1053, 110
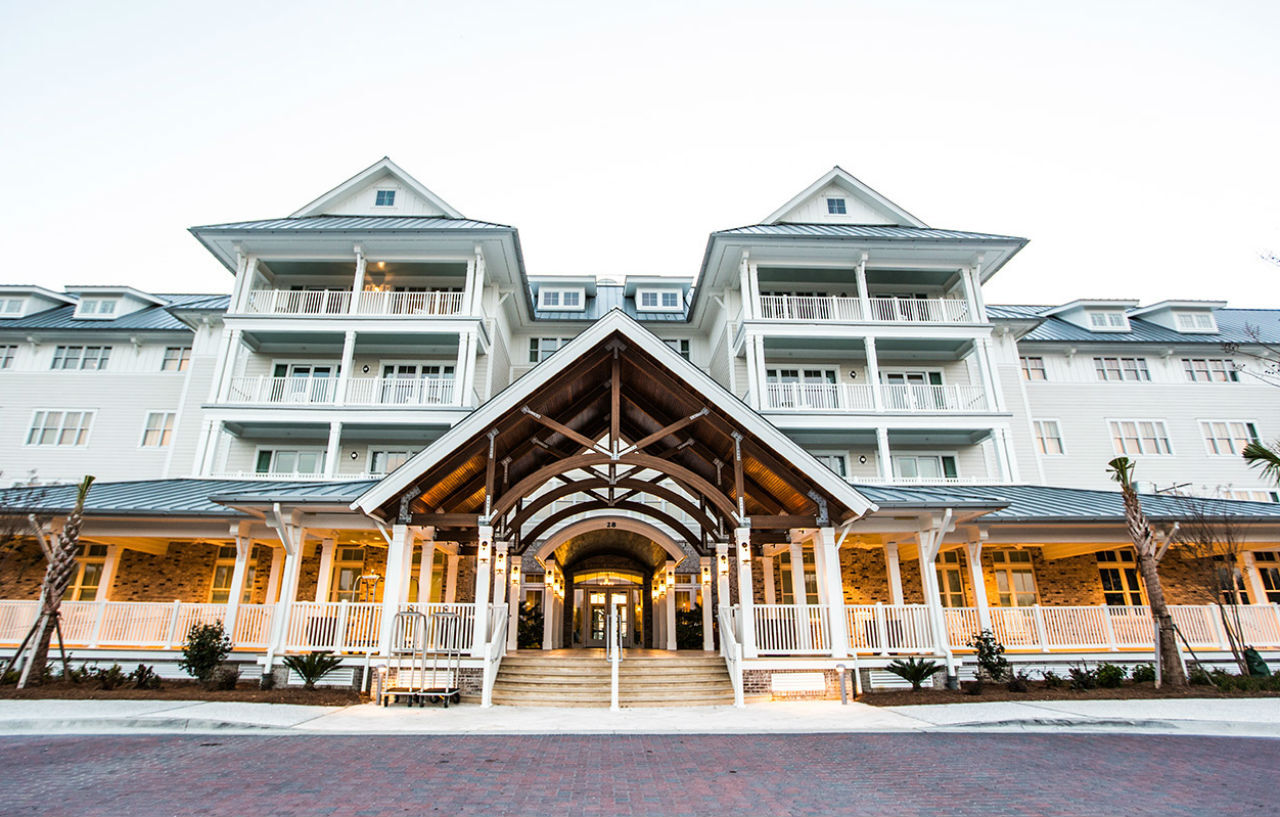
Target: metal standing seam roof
865, 231
1231, 327
607, 297
352, 223
148, 319
175, 497
1044, 503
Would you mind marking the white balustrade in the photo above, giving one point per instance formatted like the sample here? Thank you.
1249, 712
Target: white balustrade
399, 391
409, 303
818, 397
282, 390
299, 301
920, 310
253, 625
810, 308
340, 626
731, 649
792, 629
452, 631
929, 398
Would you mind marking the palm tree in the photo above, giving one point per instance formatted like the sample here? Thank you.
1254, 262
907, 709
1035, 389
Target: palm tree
1144, 542
1268, 459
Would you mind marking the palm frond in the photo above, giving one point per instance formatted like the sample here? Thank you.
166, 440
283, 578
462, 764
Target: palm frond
1267, 459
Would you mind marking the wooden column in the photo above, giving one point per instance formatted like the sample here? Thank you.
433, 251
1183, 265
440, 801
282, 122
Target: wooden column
705, 567
827, 562
973, 553
746, 591
484, 566
324, 580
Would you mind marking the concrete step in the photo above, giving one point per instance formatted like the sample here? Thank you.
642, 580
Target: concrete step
692, 679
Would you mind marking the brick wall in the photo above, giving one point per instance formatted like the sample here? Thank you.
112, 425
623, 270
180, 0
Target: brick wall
21, 570
866, 579
758, 683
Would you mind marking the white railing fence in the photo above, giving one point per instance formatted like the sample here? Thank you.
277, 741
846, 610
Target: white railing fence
914, 397
300, 301
920, 310
288, 390
731, 651
494, 650
792, 629
409, 303
819, 396
399, 391
452, 626
338, 626
810, 308
886, 628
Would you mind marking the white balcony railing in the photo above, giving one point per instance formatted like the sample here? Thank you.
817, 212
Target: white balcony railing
409, 303
844, 308
400, 391
912, 397
282, 390
818, 397
299, 301
792, 629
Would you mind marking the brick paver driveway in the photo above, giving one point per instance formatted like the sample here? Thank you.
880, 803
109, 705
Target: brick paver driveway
949, 774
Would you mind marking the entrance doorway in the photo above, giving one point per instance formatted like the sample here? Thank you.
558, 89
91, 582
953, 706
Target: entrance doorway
599, 603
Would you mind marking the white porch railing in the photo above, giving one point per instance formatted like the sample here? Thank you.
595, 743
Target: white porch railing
338, 626
957, 398
818, 397
409, 303
731, 651
845, 308
299, 301
494, 650
285, 390
792, 629
399, 391
448, 634
920, 310
886, 628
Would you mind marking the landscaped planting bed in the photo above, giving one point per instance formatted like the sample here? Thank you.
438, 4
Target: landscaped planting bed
186, 691
1036, 691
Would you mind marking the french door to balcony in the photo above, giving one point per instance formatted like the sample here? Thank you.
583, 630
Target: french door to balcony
802, 388
302, 382
913, 391
417, 383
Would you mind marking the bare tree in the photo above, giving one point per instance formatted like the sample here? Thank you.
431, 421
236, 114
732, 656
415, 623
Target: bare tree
1148, 548
1210, 545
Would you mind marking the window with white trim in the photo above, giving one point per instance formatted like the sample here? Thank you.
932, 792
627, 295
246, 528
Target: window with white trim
60, 428
1250, 496
1118, 571
560, 298
810, 576
176, 359
7, 353
542, 348
158, 430
384, 198
290, 461
925, 468
1049, 437
11, 307
1115, 369
1210, 370
679, 346
96, 307
84, 358
1149, 437
1195, 322
1268, 564
1227, 438
658, 300
223, 571
382, 461
348, 567
836, 207
950, 567
838, 463
87, 581
1015, 578
1107, 320
1033, 368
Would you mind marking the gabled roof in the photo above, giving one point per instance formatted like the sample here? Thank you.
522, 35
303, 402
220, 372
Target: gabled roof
380, 169
31, 289
350, 223
1232, 328
1171, 304
174, 497
856, 188
865, 231
152, 318
1101, 303
106, 289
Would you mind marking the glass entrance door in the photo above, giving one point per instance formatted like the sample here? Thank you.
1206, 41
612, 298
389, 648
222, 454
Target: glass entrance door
599, 602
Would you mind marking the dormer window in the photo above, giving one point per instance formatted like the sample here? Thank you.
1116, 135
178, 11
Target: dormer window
1108, 320
96, 308
658, 300
1196, 322
385, 198
569, 299
836, 207
10, 307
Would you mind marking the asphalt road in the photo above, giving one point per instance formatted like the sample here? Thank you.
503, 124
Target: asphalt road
873, 774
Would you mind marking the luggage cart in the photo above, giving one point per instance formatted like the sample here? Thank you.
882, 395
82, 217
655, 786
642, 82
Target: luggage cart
443, 640
407, 677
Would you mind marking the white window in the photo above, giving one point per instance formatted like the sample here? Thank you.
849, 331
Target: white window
81, 357
223, 571
288, 462
10, 307
1121, 368
88, 576
542, 348
1227, 438
950, 566
176, 359
1210, 370
1195, 322
1015, 578
96, 308
60, 428
1250, 496
1268, 564
1033, 368
1140, 437
929, 468
384, 462
1049, 437
1108, 320
158, 430
838, 463
680, 347
836, 207
385, 198
567, 299
658, 300
1118, 571
348, 567
7, 353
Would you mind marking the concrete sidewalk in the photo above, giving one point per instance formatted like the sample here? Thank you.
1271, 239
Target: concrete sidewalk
1253, 717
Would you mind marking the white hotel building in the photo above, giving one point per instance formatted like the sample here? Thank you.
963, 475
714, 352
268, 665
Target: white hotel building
825, 448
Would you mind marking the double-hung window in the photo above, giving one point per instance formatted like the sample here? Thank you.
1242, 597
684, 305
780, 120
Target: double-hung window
1210, 370
542, 348
1227, 438
60, 428
1015, 578
567, 299
290, 462
158, 430
348, 567
1118, 571
7, 353
658, 300
384, 198
1149, 437
1121, 368
81, 357
810, 576
11, 307
838, 463
950, 566
176, 359
925, 468
385, 461
1268, 565
86, 582
1033, 368
1049, 437
680, 346
223, 571
1108, 320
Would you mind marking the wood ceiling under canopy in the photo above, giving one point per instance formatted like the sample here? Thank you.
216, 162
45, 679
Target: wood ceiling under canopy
617, 425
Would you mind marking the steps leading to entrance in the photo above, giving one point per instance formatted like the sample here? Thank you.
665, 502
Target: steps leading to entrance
568, 678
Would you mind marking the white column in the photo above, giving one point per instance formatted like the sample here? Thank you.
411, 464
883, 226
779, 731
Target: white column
873, 373
244, 549
976, 274
669, 577
967, 283
399, 551
324, 579
762, 371
357, 284
864, 296
484, 566
798, 595
333, 451
746, 592
929, 581
973, 553
460, 369
892, 567
515, 601
344, 372
659, 615
1004, 458
426, 572
705, 567
109, 567
229, 366
722, 569
770, 592
827, 562
884, 457
750, 308
500, 572
273, 580
993, 372
1257, 591
755, 375
468, 382
548, 605
753, 281
451, 578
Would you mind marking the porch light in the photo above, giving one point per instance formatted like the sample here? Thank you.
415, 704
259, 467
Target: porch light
671, 579
706, 574
515, 573
484, 552
723, 563
744, 552
500, 561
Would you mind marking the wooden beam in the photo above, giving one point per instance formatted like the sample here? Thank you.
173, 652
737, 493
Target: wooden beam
564, 430
668, 430
447, 520
634, 507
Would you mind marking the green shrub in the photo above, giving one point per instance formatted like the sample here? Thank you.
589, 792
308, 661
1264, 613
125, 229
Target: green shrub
1052, 680
689, 629
529, 635
224, 677
1018, 680
991, 660
1111, 676
1198, 676
206, 647
110, 678
144, 677
1144, 674
313, 666
1083, 678
915, 670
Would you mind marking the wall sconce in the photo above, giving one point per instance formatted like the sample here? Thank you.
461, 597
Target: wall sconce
365, 368
706, 574
547, 579
744, 552
862, 459
500, 561
515, 574
723, 564
355, 456
671, 578
484, 552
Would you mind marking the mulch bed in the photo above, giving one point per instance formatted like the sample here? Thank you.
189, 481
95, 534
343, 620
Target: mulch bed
186, 691
1038, 692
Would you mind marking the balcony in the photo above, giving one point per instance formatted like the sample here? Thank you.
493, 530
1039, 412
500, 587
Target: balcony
360, 391
838, 397
823, 308
368, 303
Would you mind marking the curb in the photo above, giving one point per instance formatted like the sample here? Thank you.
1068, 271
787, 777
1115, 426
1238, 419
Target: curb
68, 726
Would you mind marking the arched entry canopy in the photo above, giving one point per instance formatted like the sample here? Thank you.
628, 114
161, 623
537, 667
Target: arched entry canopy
614, 422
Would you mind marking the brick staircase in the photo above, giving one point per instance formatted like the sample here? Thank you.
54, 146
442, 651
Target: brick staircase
581, 678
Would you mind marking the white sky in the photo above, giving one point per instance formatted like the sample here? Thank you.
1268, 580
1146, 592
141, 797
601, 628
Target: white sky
1135, 144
